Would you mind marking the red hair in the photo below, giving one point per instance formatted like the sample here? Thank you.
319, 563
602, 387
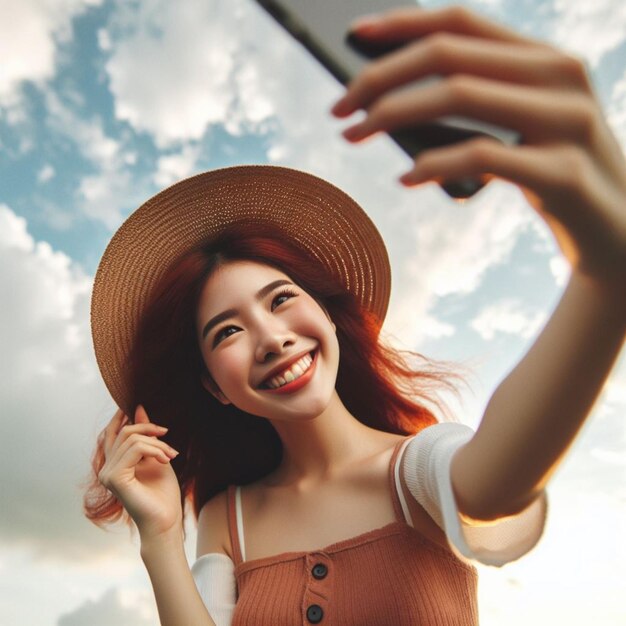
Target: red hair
220, 444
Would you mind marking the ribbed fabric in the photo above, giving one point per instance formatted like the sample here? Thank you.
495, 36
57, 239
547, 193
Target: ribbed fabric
390, 576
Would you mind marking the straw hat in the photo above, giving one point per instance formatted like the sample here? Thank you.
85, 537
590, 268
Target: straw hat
307, 210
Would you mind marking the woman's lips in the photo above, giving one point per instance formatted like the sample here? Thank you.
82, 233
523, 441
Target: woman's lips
298, 383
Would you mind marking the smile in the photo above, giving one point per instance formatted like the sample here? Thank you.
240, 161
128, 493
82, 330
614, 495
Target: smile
294, 377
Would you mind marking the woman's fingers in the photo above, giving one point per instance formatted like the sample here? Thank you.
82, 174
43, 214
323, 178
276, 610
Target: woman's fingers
445, 54
542, 170
139, 450
538, 114
141, 416
130, 452
411, 23
134, 439
112, 429
111, 475
119, 429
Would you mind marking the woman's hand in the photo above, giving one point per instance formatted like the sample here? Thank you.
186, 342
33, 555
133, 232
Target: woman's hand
569, 164
137, 471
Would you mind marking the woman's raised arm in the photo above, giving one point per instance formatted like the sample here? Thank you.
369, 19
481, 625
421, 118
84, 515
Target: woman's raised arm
138, 471
573, 172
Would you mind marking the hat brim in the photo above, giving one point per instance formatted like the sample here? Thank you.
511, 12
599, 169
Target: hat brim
314, 214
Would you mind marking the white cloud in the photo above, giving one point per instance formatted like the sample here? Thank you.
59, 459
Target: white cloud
104, 40
174, 167
455, 251
590, 29
490, 3
614, 393
114, 607
616, 113
560, 269
446, 248
29, 33
435, 328
46, 173
110, 192
508, 316
611, 457
51, 395
177, 68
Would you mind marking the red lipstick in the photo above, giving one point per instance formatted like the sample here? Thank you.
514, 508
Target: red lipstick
298, 383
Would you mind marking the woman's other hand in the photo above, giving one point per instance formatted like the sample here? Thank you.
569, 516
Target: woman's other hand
569, 164
137, 471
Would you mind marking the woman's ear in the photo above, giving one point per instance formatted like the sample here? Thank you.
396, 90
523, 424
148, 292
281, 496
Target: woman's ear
209, 384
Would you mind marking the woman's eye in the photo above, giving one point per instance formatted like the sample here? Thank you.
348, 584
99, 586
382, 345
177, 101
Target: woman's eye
223, 334
282, 297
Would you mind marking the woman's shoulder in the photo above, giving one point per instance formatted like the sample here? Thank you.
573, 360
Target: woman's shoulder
213, 535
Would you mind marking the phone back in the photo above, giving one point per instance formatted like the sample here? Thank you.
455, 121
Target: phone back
321, 25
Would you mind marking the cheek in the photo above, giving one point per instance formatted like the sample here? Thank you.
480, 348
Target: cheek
225, 368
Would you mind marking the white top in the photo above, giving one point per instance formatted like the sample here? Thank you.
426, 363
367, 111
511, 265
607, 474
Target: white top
427, 475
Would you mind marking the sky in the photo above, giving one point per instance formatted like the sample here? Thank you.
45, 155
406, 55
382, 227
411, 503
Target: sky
105, 102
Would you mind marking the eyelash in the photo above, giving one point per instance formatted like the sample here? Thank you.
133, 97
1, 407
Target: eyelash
219, 336
284, 292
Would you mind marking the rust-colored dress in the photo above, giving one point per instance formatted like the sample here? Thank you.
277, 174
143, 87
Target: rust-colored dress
390, 576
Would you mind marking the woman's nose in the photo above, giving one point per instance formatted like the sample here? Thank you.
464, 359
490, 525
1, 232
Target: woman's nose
273, 341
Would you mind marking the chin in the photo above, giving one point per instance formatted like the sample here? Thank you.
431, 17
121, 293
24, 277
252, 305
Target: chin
313, 409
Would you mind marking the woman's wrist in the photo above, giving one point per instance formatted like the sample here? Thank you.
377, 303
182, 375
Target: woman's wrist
167, 541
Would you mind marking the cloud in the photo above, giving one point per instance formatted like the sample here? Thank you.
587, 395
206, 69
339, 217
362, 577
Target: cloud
616, 113
46, 173
51, 395
590, 29
456, 251
560, 269
107, 194
452, 247
509, 316
205, 71
174, 167
114, 607
29, 33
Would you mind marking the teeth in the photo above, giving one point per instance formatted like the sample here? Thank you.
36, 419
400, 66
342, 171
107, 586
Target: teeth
289, 375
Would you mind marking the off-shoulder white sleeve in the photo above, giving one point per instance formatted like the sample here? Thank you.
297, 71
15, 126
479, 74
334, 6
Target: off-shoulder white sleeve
214, 574
426, 464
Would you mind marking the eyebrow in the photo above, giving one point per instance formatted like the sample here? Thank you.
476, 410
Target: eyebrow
224, 315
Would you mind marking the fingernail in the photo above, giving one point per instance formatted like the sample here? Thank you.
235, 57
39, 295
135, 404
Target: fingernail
354, 133
365, 23
340, 108
163, 428
409, 179
173, 453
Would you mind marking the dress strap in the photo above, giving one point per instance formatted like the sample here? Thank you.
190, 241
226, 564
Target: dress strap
399, 502
235, 523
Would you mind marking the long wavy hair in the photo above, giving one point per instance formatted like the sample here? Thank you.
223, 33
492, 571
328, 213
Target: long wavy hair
391, 390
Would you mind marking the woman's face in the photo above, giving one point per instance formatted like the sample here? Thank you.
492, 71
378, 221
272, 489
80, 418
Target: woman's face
269, 347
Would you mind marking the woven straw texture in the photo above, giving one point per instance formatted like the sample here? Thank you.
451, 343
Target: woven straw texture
308, 210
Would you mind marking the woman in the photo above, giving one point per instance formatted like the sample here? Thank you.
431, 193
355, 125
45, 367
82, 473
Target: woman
211, 292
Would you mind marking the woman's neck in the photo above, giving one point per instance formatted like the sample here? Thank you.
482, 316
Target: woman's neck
322, 448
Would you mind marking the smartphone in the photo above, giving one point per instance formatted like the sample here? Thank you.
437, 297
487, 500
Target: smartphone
321, 26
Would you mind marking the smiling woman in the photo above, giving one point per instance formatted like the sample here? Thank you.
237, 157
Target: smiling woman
170, 377
237, 323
